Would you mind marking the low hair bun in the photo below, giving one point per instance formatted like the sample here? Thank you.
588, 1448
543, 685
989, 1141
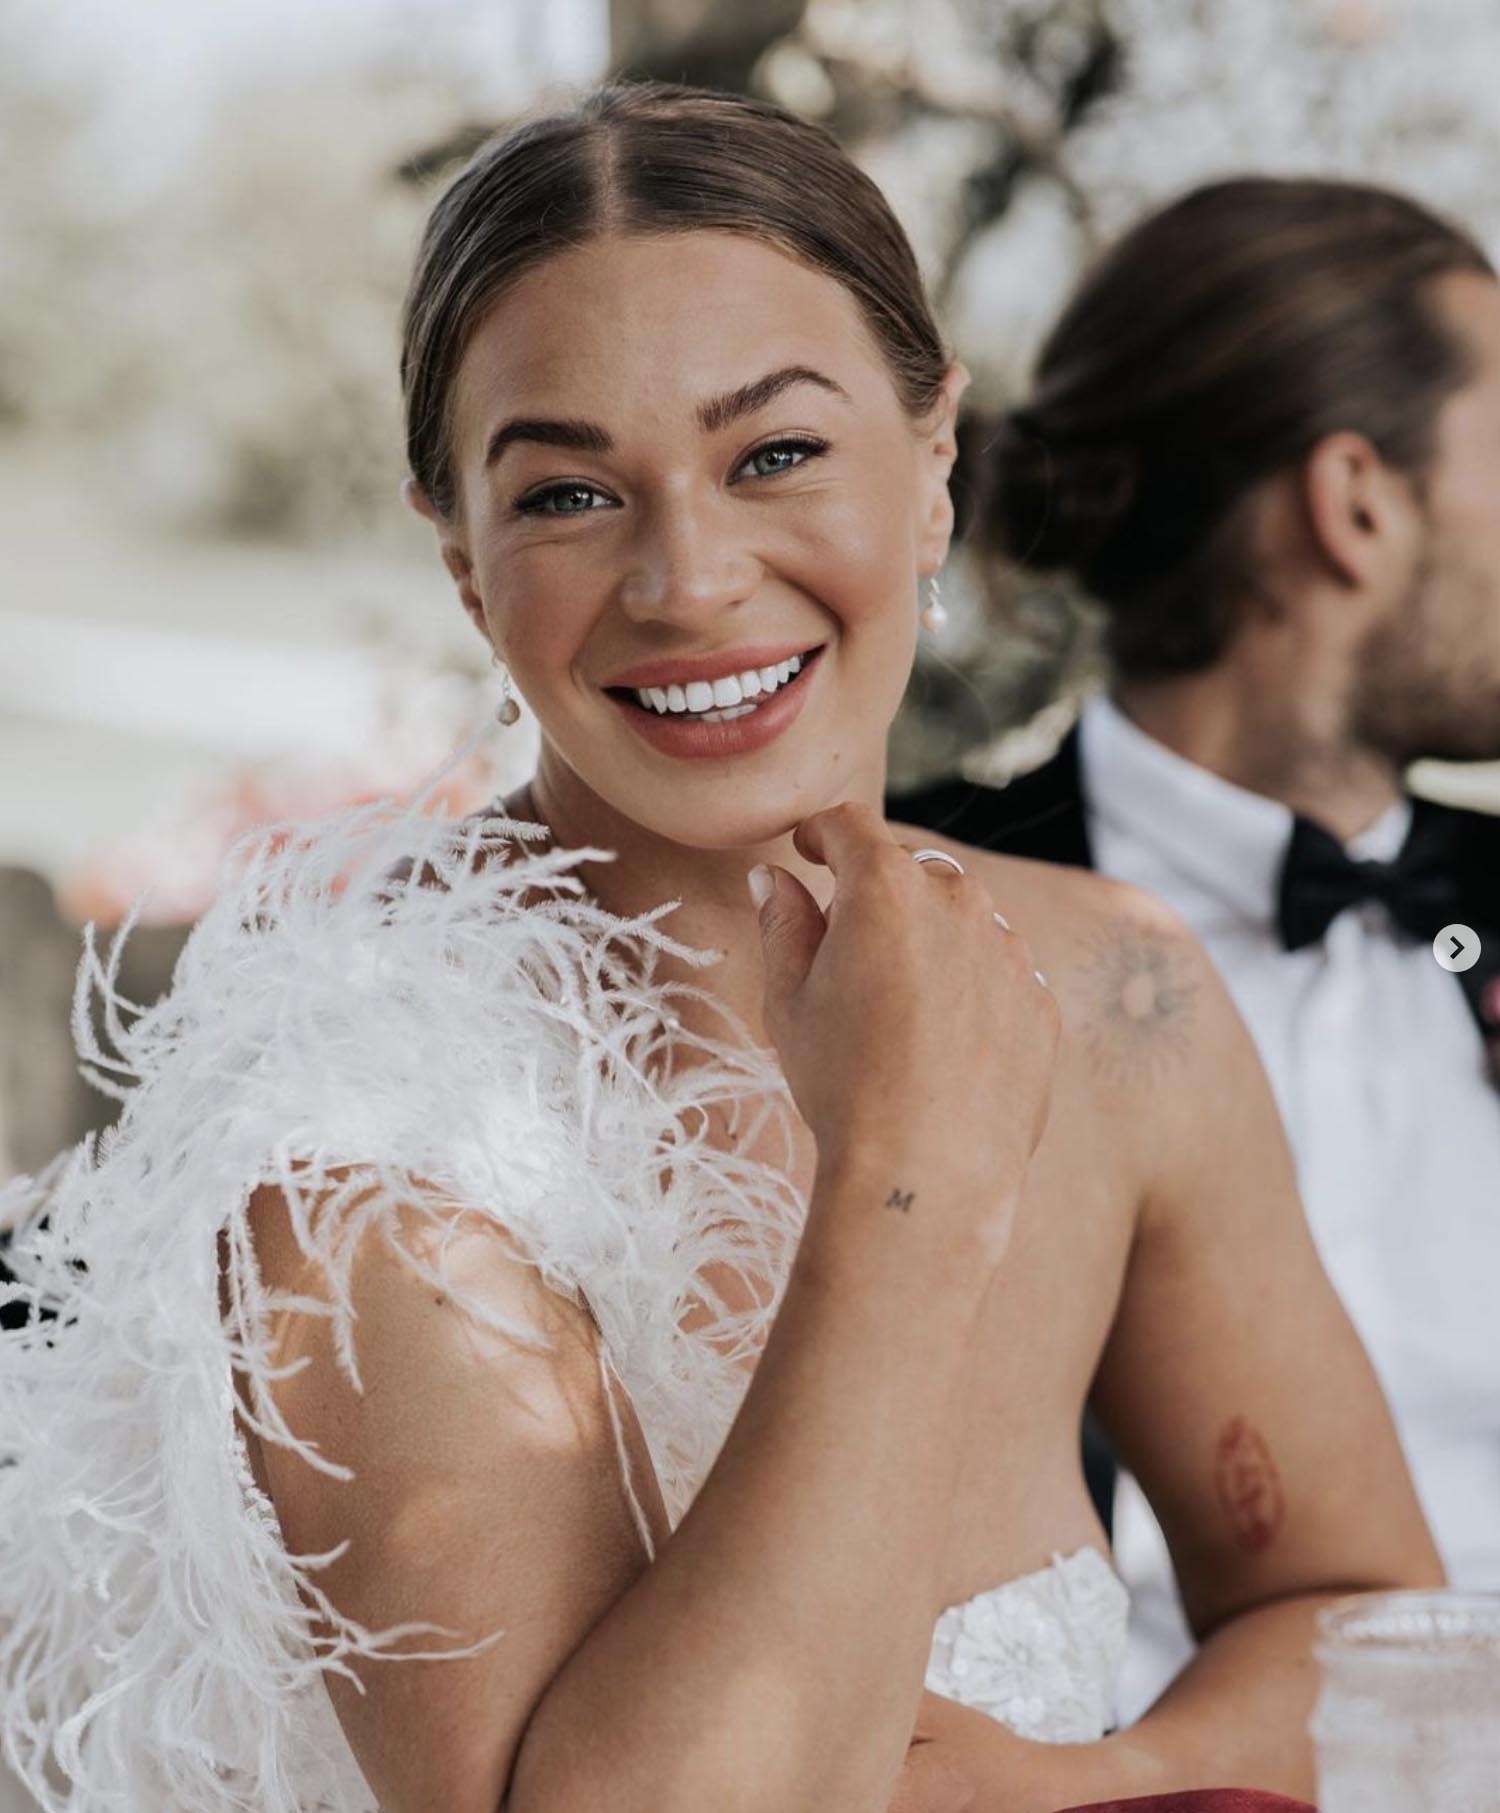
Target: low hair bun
1048, 505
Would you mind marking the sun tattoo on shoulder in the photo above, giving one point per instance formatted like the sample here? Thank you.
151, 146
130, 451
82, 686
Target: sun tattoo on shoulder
1134, 992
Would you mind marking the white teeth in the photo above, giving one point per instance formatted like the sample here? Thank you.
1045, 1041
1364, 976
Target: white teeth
723, 694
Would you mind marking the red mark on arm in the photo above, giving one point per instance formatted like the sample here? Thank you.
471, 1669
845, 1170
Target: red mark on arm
1249, 1486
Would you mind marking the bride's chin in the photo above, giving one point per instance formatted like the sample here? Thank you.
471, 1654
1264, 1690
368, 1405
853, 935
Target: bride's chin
700, 821
747, 835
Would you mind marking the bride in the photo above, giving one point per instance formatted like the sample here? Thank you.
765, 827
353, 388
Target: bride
553, 1330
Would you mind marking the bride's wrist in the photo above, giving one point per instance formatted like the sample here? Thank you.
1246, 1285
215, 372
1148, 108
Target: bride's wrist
878, 1209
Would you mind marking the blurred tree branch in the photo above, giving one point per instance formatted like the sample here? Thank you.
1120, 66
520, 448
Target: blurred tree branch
699, 41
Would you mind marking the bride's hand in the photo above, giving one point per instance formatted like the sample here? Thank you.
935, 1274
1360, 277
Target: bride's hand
931, 1781
935, 1778
907, 1021
961, 1760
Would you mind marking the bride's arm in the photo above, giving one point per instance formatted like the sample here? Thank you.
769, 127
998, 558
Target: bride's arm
1236, 1390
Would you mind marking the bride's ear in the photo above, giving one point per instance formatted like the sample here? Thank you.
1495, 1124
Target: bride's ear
939, 449
413, 495
459, 566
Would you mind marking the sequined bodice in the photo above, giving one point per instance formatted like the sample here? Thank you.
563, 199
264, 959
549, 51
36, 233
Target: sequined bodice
1042, 1653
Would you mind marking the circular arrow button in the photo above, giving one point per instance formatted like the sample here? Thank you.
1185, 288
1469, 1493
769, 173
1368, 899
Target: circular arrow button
1456, 947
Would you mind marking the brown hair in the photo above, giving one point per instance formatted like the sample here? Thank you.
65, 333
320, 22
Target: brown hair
649, 158
1216, 344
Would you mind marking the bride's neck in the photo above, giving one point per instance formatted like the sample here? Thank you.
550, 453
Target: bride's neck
716, 910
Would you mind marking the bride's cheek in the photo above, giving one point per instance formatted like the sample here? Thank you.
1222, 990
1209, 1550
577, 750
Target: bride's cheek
548, 597
863, 541
841, 564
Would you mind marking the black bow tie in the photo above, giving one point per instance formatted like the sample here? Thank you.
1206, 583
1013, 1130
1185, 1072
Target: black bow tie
1318, 880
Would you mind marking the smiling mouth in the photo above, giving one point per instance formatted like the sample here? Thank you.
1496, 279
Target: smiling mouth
734, 696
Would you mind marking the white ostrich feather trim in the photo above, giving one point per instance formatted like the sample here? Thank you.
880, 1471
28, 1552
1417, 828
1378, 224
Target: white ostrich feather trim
484, 1028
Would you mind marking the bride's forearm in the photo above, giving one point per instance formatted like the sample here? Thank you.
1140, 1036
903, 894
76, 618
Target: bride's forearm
770, 1657
1238, 1712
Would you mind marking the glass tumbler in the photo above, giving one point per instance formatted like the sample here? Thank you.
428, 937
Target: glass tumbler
1408, 1718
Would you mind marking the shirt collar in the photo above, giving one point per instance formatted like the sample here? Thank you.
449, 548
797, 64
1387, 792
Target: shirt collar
1228, 841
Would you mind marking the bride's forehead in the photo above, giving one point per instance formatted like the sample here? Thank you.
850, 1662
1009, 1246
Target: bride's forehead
672, 271
668, 316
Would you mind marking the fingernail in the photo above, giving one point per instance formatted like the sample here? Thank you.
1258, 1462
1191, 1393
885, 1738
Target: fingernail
760, 882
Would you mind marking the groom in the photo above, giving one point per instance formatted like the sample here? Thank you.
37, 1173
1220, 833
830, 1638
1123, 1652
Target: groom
1265, 437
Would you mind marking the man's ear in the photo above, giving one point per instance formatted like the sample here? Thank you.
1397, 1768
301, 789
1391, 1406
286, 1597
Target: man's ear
1360, 511
455, 558
939, 449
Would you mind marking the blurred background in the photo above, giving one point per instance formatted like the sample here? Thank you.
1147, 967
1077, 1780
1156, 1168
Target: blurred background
214, 609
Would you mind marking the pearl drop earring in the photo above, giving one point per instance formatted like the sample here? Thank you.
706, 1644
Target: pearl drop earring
935, 615
508, 711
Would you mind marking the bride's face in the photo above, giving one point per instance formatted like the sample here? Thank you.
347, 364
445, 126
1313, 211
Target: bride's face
687, 454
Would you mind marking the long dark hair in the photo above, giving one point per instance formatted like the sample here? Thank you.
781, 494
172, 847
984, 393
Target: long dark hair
1215, 344
650, 158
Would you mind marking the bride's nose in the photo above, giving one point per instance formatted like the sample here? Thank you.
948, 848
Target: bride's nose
686, 564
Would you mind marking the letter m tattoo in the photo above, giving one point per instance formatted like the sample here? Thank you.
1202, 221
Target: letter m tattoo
900, 1199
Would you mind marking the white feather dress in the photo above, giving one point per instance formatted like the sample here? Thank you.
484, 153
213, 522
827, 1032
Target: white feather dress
373, 992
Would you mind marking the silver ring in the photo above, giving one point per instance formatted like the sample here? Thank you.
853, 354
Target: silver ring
1040, 977
937, 856
1001, 921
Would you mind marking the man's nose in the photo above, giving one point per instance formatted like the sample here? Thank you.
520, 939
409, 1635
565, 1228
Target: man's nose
687, 563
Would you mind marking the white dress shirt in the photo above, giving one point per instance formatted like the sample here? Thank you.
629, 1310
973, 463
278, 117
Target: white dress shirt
1381, 1079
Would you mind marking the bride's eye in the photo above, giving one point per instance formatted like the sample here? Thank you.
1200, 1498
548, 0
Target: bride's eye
780, 456
571, 498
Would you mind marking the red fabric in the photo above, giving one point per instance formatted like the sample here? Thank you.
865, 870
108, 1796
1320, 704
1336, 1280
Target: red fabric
1201, 1800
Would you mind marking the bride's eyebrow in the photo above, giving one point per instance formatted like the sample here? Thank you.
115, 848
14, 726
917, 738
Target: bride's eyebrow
719, 412
581, 437
713, 414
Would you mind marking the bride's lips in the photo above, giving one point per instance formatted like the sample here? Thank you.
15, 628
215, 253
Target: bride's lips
674, 735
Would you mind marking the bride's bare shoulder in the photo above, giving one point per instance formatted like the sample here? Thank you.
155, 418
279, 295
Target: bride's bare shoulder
1071, 905
1050, 900
1131, 978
